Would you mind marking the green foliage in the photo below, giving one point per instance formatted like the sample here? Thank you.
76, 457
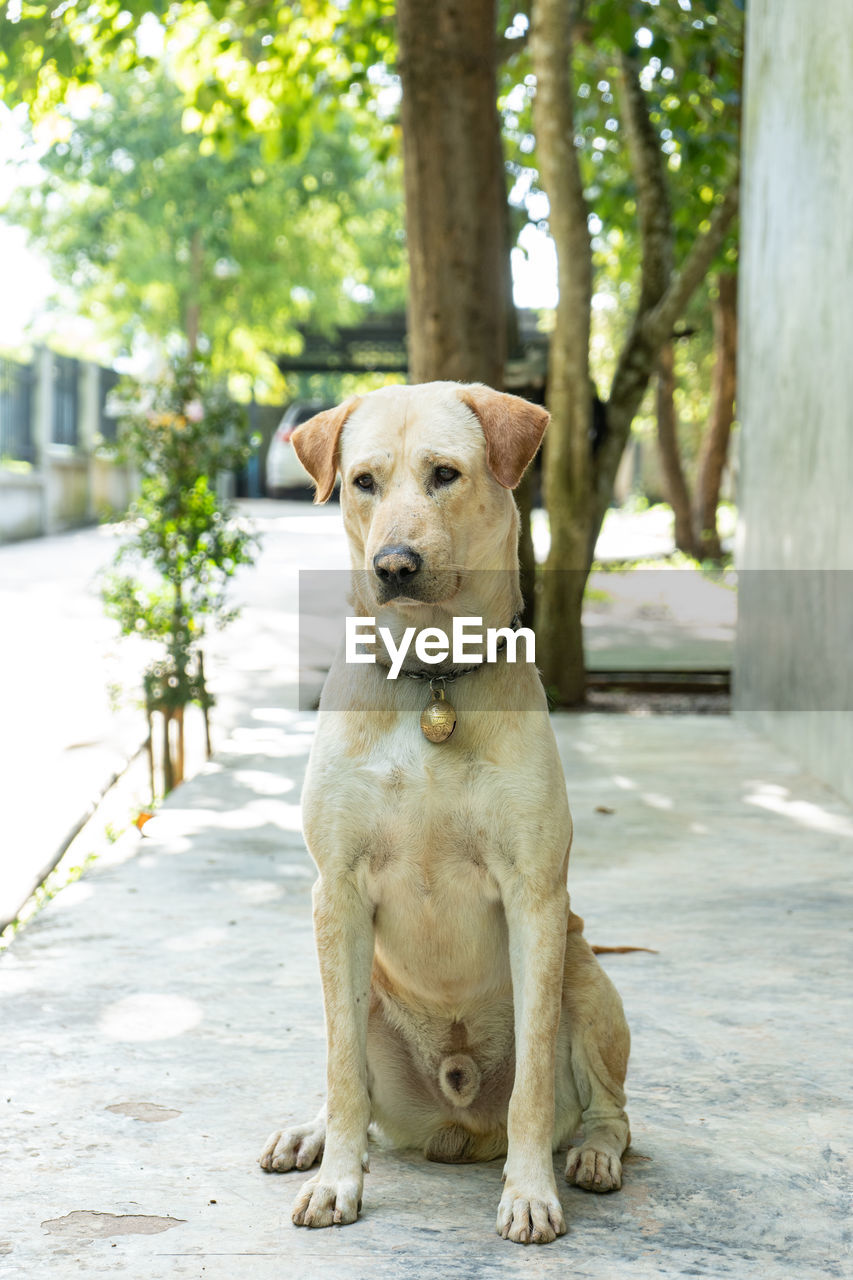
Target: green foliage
156, 236
185, 545
286, 80
690, 66
246, 65
691, 69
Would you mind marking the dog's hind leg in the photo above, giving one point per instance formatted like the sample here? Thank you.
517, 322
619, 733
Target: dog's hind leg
596, 1165
599, 1042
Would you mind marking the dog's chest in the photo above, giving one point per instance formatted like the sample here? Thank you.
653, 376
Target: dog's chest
432, 837
429, 854
432, 833
411, 819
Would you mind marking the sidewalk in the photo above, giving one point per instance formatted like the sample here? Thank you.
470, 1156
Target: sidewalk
161, 1016
61, 741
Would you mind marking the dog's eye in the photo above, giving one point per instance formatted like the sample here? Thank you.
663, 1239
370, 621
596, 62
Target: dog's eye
444, 475
365, 482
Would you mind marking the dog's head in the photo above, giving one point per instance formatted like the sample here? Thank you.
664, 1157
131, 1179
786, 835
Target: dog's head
426, 472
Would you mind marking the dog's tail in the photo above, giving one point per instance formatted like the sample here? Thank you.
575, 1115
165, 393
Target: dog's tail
459, 1079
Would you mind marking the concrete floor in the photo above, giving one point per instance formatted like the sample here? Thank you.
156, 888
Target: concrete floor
62, 739
62, 736
160, 1017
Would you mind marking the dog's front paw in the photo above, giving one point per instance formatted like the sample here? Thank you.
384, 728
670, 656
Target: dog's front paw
326, 1202
295, 1148
593, 1170
530, 1218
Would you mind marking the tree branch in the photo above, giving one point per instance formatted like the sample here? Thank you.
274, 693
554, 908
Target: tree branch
659, 322
648, 334
653, 206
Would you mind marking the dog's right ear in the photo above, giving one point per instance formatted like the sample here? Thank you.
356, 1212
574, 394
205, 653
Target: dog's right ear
317, 445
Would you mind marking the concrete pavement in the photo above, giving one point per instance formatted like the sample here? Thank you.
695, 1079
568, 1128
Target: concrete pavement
63, 739
162, 1015
63, 667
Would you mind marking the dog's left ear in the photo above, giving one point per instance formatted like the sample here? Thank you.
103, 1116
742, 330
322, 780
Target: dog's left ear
317, 445
513, 429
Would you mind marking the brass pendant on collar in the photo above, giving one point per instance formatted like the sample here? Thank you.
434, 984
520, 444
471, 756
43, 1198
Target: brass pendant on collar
438, 718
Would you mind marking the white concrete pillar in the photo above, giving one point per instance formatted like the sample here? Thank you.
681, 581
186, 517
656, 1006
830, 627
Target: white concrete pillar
793, 669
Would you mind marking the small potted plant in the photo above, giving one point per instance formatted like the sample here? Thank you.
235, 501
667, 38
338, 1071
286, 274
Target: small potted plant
170, 580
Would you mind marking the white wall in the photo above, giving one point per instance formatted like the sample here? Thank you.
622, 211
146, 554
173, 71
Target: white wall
794, 657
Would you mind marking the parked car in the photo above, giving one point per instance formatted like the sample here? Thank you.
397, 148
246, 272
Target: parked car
286, 475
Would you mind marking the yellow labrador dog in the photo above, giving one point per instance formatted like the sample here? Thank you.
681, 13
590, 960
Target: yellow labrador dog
466, 1015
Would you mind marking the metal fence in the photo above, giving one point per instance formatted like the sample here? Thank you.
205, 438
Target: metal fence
107, 421
18, 439
16, 412
66, 400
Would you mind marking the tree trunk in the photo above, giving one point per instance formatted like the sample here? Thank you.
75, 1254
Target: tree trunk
638, 357
670, 454
526, 557
458, 293
650, 330
567, 471
579, 487
715, 445
455, 190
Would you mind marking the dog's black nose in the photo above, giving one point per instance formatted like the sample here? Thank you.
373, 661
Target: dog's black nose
396, 566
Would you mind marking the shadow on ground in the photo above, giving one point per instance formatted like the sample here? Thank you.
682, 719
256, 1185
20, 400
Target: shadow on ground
164, 1014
